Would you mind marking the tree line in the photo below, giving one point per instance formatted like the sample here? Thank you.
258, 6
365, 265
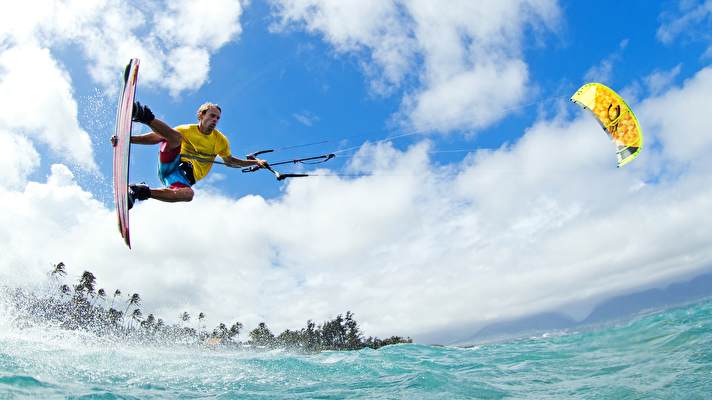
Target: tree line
83, 306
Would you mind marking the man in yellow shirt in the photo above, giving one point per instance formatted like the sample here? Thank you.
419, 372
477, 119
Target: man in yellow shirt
186, 153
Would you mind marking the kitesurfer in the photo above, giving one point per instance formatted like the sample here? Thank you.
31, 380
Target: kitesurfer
186, 153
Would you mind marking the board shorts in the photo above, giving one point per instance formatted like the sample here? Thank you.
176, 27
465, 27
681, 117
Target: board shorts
173, 172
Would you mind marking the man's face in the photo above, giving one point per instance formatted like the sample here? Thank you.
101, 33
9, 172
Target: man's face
209, 119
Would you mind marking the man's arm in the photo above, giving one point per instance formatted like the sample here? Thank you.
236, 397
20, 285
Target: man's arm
231, 161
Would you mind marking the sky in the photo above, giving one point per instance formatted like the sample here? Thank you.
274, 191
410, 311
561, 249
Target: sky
467, 188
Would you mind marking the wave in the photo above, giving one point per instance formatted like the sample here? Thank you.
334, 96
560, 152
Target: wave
667, 354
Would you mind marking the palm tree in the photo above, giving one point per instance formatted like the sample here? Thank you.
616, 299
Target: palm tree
261, 336
201, 317
333, 333
101, 294
134, 300
86, 282
114, 316
136, 315
117, 292
234, 330
353, 334
312, 335
65, 289
58, 269
148, 322
221, 331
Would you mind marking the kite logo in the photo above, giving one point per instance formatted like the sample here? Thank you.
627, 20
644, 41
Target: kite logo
614, 114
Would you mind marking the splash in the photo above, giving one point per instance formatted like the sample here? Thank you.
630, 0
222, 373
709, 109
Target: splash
96, 115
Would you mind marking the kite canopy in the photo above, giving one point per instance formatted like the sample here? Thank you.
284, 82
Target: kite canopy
615, 117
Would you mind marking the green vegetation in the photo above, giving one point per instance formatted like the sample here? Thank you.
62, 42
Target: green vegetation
83, 307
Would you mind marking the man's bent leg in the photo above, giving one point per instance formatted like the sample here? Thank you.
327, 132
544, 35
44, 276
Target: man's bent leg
143, 114
172, 136
172, 194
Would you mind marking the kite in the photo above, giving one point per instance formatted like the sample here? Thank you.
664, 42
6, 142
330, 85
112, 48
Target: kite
615, 117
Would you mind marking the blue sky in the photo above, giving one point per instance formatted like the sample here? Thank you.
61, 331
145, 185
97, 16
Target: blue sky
505, 203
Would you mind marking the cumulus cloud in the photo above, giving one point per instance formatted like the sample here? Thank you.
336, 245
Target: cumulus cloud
37, 99
56, 215
19, 161
685, 140
174, 44
215, 25
472, 99
466, 57
536, 225
371, 26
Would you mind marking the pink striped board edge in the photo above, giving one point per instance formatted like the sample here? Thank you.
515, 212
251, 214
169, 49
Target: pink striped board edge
122, 147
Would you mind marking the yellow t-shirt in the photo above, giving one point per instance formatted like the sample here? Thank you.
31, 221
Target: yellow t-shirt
198, 144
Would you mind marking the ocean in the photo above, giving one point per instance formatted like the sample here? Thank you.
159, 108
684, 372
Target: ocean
666, 354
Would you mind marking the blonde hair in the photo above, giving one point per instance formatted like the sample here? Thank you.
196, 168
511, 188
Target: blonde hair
205, 107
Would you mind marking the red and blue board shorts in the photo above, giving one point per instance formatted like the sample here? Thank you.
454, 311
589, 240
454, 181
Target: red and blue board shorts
173, 172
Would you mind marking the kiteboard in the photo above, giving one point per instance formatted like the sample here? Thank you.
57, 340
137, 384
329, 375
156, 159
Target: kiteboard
122, 146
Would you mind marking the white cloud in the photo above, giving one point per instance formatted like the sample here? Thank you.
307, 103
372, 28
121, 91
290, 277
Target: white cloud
687, 16
174, 39
357, 26
306, 118
691, 21
538, 225
660, 81
203, 23
603, 71
19, 160
190, 72
192, 30
472, 99
54, 217
678, 119
37, 99
467, 56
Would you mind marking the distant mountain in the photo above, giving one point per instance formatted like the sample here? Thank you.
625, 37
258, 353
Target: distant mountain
534, 323
677, 293
614, 308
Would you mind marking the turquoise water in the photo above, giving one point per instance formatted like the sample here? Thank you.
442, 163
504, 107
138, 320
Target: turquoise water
665, 355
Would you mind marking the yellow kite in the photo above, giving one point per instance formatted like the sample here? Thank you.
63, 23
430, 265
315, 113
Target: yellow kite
615, 117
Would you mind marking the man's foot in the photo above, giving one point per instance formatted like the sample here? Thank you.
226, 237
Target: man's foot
138, 192
141, 113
